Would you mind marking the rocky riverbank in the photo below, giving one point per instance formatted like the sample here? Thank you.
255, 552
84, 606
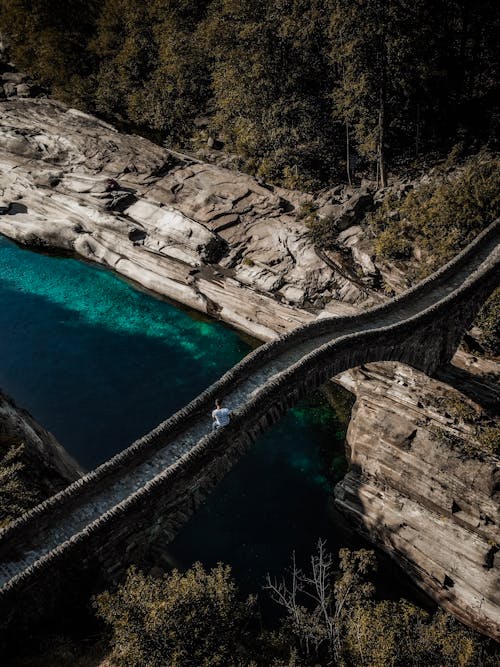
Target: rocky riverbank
225, 244
420, 483
34, 464
212, 239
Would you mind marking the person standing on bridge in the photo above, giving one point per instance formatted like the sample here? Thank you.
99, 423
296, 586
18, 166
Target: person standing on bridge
220, 415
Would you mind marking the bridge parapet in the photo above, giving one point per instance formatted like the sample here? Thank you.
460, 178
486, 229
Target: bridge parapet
167, 430
430, 320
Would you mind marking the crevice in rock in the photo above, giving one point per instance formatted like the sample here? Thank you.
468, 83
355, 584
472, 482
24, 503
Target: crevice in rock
448, 582
455, 507
487, 519
489, 559
135, 235
406, 444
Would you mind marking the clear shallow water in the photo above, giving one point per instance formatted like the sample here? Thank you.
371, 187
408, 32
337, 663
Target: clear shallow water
96, 361
99, 363
276, 500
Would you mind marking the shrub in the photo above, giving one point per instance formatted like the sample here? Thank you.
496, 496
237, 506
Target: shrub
180, 619
344, 624
400, 634
488, 322
441, 217
391, 244
16, 494
489, 439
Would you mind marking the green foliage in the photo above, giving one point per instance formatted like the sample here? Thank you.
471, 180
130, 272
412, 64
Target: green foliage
489, 439
331, 617
485, 441
345, 625
50, 40
375, 47
392, 244
27, 475
320, 229
284, 83
151, 70
442, 217
195, 618
269, 71
488, 321
395, 82
400, 634
16, 494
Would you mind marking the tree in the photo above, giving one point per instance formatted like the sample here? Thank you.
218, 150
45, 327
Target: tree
195, 618
268, 69
152, 71
50, 39
374, 50
16, 495
125, 49
178, 86
440, 217
317, 607
412, 74
334, 619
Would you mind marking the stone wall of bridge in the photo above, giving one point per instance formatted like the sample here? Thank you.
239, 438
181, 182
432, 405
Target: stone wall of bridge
447, 327
157, 510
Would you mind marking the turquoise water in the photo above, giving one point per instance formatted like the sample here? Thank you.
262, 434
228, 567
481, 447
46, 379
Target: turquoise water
99, 363
96, 361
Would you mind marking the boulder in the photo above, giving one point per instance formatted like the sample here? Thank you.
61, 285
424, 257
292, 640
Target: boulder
23, 90
363, 257
354, 209
14, 77
350, 236
329, 211
47, 179
10, 89
178, 230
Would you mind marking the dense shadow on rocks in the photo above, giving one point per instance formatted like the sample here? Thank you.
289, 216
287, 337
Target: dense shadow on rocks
481, 389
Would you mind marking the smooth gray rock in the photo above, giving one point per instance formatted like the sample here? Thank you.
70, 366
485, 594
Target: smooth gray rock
415, 494
194, 215
10, 89
14, 77
23, 90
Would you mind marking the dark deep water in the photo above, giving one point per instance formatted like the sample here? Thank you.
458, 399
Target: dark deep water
99, 363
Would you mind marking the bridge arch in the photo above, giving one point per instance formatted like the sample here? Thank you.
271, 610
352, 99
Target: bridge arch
151, 488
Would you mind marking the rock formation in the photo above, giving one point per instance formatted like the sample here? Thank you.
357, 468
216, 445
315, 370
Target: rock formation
47, 467
213, 239
413, 490
223, 243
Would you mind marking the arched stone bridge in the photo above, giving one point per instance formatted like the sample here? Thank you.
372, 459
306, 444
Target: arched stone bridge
149, 490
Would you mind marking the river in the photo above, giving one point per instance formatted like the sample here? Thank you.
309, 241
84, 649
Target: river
99, 362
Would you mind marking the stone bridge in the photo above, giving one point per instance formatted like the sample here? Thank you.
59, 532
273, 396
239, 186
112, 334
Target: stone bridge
147, 492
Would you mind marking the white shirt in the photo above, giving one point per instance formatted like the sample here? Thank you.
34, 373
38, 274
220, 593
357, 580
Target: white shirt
221, 416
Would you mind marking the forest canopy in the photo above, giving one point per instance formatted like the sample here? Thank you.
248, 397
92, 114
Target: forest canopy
297, 90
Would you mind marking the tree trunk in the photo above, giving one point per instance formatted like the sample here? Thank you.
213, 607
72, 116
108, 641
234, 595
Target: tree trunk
381, 138
382, 121
417, 131
348, 152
